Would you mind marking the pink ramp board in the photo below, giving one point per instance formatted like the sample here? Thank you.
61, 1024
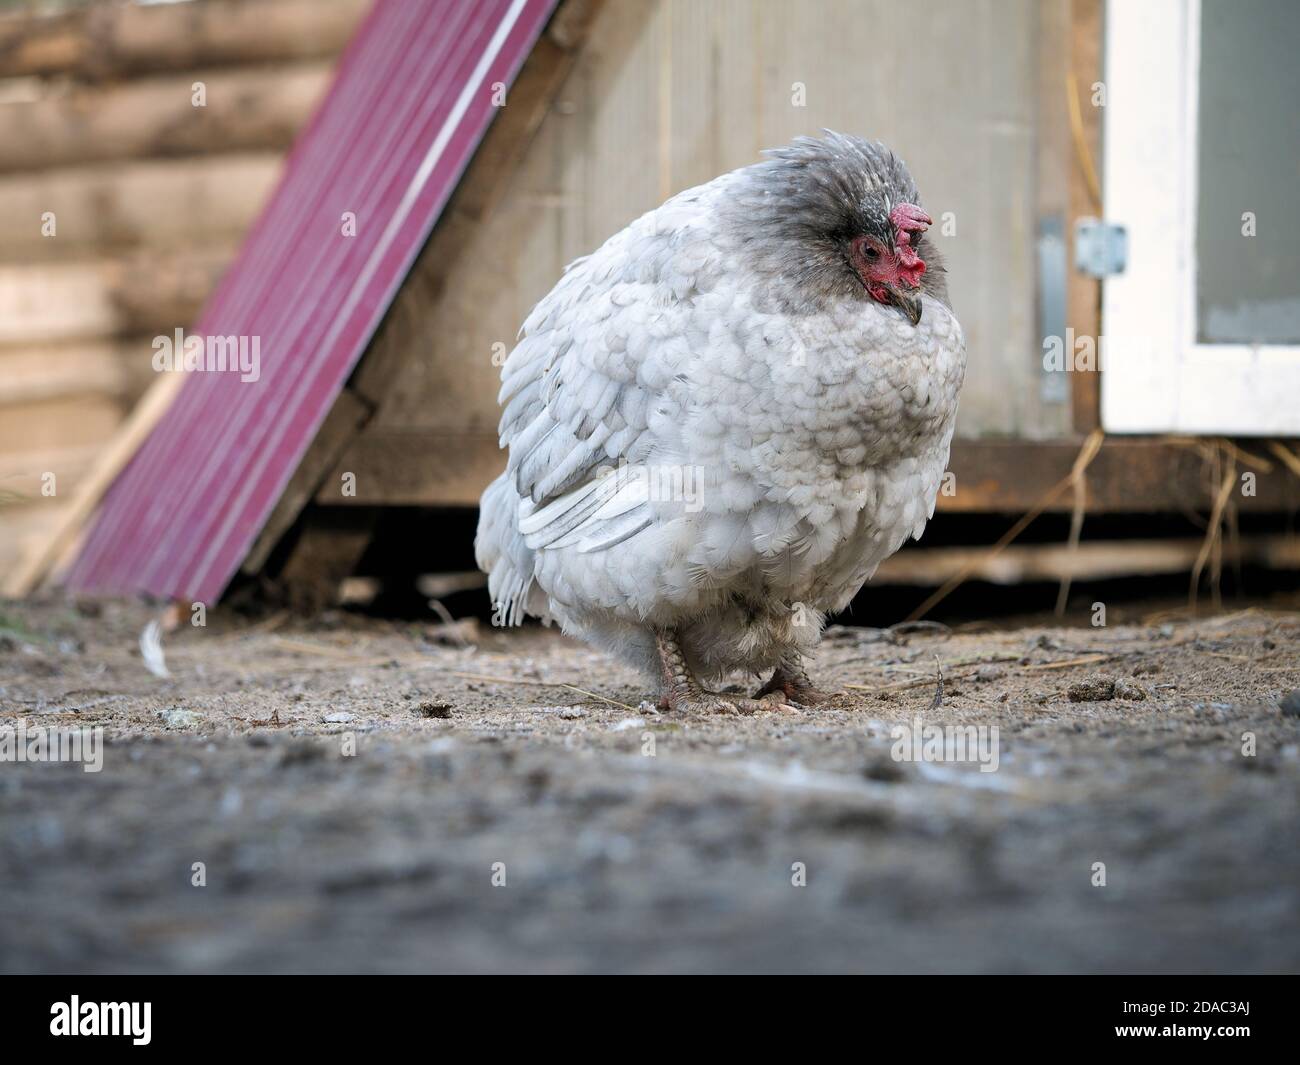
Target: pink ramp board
411, 100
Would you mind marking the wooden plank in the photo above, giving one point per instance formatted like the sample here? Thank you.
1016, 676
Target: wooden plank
1089, 561
26, 525
336, 432
59, 422
153, 204
418, 468
66, 302
329, 546
28, 516
21, 471
1131, 475
102, 40
431, 468
246, 110
118, 369
1054, 158
145, 292
1083, 294
159, 291
37, 562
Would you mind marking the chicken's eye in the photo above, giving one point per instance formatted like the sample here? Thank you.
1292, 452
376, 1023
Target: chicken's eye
868, 252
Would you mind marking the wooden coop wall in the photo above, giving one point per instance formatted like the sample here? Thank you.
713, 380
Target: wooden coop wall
668, 94
149, 196
663, 94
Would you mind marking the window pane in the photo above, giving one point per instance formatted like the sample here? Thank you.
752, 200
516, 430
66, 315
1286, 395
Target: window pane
1248, 287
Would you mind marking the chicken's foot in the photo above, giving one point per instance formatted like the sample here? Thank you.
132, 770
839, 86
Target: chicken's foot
683, 693
791, 680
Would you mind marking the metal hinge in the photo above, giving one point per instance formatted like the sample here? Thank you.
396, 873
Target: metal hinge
1100, 248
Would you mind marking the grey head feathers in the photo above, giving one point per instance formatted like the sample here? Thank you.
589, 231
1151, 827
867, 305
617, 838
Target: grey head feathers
793, 215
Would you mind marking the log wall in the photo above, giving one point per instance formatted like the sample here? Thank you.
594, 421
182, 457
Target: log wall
121, 202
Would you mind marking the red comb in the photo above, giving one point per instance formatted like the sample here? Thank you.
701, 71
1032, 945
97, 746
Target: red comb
907, 219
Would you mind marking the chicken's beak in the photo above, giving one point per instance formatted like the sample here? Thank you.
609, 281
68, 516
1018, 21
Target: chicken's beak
908, 303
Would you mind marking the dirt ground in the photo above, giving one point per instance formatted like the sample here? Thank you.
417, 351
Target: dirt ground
353, 789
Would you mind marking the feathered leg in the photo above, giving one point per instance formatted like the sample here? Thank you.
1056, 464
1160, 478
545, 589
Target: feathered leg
791, 680
682, 692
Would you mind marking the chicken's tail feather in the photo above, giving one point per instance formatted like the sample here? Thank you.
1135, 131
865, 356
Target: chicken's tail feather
501, 553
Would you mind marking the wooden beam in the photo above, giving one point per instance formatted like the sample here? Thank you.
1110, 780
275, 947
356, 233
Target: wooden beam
395, 468
1083, 293
245, 110
112, 40
1053, 157
1129, 475
329, 546
1096, 560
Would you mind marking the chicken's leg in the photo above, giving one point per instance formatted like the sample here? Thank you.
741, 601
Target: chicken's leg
682, 692
791, 680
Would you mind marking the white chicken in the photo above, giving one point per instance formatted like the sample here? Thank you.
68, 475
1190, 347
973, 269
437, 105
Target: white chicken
722, 421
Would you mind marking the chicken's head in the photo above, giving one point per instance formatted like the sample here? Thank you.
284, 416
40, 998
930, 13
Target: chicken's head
832, 219
887, 260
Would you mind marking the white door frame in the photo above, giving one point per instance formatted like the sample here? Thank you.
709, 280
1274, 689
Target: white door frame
1157, 377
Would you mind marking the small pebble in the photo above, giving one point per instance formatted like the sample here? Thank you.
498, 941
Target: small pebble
1100, 688
1095, 689
441, 711
1290, 704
